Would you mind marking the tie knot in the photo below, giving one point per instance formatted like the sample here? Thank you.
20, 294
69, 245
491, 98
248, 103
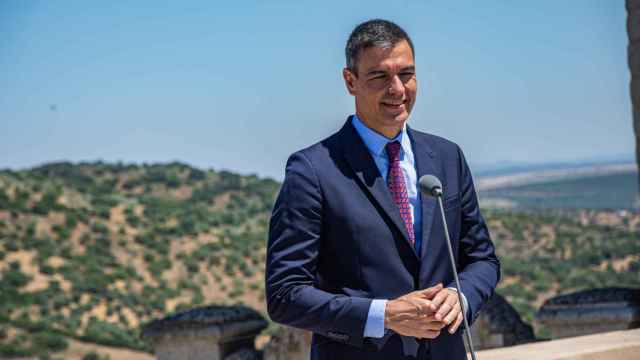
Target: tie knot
393, 151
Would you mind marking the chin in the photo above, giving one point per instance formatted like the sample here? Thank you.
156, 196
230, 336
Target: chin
399, 119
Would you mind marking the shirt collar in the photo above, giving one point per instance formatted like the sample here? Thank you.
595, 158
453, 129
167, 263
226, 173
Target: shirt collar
376, 142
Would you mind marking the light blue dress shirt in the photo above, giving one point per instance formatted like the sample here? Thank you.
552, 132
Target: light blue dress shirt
376, 144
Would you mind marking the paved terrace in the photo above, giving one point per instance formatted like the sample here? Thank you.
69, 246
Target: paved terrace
616, 345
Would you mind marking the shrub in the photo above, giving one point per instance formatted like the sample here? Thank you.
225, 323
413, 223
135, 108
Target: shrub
14, 349
49, 341
11, 244
14, 278
100, 228
157, 267
109, 334
47, 203
131, 217
70, 220
91, 356
47, 269
94, 356
62, 232
5, 203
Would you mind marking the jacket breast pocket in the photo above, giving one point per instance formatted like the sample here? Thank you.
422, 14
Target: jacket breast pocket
451, 202
453, 213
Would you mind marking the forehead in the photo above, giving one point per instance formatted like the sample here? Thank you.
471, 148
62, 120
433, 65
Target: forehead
390, 58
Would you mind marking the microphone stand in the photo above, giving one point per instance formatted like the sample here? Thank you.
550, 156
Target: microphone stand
455, 275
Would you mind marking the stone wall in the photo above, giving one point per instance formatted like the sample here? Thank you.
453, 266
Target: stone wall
206, 333
618, 345
498, 325
228, 333
288, 344
591, 312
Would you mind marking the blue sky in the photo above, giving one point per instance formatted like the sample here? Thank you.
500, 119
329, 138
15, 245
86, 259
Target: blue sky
241, 85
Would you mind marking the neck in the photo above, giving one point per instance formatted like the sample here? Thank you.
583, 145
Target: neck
389, 132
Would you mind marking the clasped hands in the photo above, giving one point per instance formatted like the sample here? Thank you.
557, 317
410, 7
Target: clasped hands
424, 313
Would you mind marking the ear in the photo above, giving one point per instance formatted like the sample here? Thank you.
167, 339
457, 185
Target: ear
349, 80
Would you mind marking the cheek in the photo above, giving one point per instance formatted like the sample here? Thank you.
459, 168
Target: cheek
412, 87
373, 98
412, 93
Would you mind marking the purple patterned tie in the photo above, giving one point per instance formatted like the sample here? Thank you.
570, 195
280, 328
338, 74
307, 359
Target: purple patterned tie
398, 188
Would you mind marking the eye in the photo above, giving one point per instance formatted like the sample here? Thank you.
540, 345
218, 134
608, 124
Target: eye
406, 75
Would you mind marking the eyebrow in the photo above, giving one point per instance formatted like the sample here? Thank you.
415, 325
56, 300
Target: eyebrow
381, 72
409, 68
376, 72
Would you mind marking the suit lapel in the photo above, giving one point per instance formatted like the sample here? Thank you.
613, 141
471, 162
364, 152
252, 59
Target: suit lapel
425, 159
367, 172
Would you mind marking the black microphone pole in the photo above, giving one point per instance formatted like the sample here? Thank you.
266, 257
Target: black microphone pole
431, 186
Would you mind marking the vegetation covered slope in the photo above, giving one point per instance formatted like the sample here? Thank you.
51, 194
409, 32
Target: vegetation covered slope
616, 190
544, 254
92, 250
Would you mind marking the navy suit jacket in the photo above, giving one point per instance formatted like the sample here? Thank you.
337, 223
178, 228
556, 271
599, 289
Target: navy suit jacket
336, 241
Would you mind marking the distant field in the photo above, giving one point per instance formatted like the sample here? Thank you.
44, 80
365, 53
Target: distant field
607, 191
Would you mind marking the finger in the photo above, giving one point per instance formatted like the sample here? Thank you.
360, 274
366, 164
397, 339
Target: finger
416, 308
452, 315
419, 330
445, 309
425, 307
432, 325
431, 334
423, 324
432, 291
428, 334
456, 324
439, 299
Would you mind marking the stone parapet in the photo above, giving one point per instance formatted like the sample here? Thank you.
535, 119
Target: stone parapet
591, 311
211, 333
499, 325
617, 345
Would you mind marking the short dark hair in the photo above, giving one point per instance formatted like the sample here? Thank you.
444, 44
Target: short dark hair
376, 32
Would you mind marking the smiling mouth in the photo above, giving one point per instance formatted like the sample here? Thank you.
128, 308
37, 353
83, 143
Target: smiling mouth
394, 104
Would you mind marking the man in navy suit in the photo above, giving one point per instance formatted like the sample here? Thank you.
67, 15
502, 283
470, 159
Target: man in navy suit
355, 253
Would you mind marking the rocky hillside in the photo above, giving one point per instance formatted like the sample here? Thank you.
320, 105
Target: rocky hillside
90, 251
551, 252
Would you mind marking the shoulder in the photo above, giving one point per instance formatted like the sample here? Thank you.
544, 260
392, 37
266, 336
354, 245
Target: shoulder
318, 154
308, 168
435, 145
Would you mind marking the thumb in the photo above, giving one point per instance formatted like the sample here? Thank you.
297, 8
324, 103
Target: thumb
432, 291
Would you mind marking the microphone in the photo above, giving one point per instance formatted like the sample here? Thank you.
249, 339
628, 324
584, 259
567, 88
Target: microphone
431, 186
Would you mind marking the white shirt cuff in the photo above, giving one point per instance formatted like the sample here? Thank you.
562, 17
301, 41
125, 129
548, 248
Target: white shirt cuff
374, 327
464, 301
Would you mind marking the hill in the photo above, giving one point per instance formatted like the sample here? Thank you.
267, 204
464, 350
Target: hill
548, 252
599, 187
90, 251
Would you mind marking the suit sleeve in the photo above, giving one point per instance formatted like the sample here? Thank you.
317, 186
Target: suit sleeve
295, 236
478, 266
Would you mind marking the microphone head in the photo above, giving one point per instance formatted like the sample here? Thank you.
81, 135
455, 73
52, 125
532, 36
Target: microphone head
430, 185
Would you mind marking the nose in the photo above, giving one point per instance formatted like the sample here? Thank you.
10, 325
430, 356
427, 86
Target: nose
396, 86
